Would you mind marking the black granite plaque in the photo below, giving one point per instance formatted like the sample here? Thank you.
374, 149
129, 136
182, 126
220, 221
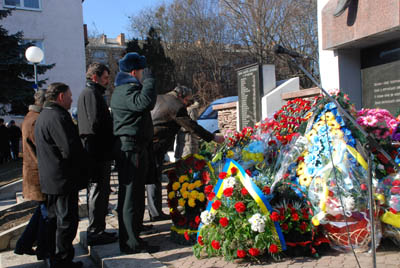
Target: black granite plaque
381, 86
249, 83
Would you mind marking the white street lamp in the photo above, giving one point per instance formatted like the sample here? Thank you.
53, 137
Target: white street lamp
34, 55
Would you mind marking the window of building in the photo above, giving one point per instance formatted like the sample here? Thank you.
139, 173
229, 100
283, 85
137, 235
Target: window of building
99, 54
38, 43
23, 4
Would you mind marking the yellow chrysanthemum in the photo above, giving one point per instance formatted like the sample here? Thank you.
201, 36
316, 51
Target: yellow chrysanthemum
301, 168
310, 134
183, 178
329, 116
337, 133
305, 180
318, 125
333, 124
192, 202
181, 202
230, 154
201, 197
175, 186
191, 186
197, 184
171, 195
308, 115
193, 195
185, 194
184, 186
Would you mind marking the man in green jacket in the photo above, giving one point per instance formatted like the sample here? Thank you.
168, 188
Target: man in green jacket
133, 99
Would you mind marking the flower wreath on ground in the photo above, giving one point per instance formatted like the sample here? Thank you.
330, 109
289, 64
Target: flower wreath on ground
235, 225
186, 198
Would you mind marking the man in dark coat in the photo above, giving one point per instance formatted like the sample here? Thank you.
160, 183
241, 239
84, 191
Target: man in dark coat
96, 132
131, 104
4, 143
61, 172
15, 135
169, 115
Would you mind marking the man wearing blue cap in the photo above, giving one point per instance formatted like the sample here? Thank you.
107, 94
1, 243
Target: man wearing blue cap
133, 99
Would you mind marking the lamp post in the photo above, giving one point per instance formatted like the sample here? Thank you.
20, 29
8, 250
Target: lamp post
34, 55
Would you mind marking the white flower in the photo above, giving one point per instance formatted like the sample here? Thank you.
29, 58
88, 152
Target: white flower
229, 182
207, 217
348, 203
257, 223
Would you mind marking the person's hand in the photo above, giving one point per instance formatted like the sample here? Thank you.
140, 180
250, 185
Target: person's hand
219, 138
147, 74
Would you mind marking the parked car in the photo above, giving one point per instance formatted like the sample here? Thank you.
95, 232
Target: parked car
209, 118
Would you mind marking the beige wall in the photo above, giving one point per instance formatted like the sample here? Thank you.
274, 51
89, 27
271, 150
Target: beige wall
60, 25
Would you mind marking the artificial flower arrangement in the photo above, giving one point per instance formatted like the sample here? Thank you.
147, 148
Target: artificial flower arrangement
237, 223
186, 198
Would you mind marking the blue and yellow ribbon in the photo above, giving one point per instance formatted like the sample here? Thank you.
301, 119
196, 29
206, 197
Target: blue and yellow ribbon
253, 190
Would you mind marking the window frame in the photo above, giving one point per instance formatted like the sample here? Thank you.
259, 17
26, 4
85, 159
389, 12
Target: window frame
22, 6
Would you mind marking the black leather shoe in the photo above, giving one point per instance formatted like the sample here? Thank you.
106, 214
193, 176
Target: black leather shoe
100, 239
147, 229
27, 251
140, 249
161, 217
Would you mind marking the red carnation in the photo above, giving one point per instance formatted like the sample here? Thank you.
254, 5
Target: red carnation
295, 216
284, 226
273, 249
240, 207
193, 225
248, 172
228, 191
274, 216
285, 176
303, 226
222, 175
208, 189
186, 235
189, 160
266, 190
205, 177
215, 245
224, 222
244, 191
200, 240
241, 253
393, 210
396, 183
234, 170
211, 196
182, 221
254, 252
199, 165
364, 187
197, 219
216, 204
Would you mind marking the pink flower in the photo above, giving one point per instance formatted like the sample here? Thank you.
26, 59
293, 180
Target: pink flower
370, 121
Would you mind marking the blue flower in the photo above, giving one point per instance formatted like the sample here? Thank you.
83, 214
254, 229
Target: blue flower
311, 170
315, 139
335, 112
340, 121
330, 106
310, 158
322, 130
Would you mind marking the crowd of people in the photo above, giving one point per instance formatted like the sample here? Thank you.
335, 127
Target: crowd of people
10, 136
60, 158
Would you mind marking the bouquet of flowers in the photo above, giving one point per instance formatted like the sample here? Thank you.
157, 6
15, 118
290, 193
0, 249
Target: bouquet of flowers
186, 198
235, 226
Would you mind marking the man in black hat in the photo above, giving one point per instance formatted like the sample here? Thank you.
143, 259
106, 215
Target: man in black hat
133, 99
96, 131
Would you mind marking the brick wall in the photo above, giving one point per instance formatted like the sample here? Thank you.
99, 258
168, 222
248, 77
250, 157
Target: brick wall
227, 116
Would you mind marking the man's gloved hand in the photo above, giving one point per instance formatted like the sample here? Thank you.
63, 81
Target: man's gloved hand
147, 74
219, 138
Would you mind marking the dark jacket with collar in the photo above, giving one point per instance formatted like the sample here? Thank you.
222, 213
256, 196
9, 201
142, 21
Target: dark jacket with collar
61, 157
131, 104
95, 122
169, 115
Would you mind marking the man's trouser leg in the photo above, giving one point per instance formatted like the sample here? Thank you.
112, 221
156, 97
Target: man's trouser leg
154, 191
63, 220
98, 195
132, 171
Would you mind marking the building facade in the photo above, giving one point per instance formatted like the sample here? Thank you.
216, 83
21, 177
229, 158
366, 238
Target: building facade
57, 28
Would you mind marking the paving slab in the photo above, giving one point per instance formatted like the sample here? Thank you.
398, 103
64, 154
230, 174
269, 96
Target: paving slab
140, 260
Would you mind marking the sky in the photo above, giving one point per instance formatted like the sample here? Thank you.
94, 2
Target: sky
111, 16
